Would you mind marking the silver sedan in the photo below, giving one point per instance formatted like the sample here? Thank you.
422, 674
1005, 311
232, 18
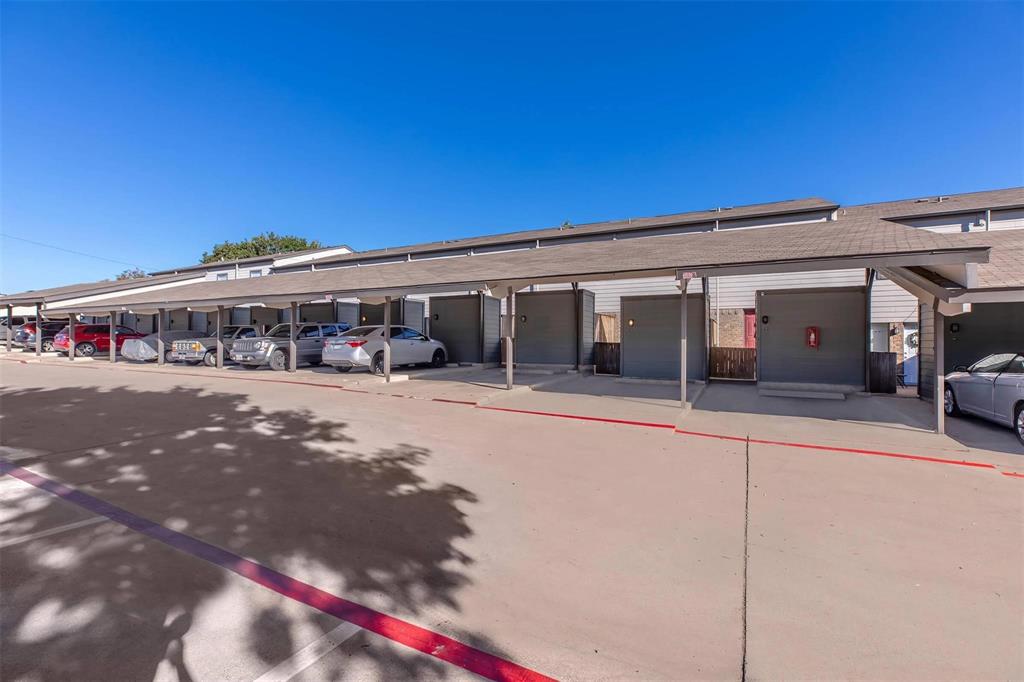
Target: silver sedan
991, 388
364, 347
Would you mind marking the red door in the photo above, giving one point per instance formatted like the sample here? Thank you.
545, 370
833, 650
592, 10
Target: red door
749, 328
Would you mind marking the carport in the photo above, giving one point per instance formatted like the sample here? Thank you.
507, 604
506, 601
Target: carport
868, 244
87, 293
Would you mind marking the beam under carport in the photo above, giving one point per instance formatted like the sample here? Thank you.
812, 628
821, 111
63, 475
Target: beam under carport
39, 330
387, 340
939, 332
113, 336
10, 327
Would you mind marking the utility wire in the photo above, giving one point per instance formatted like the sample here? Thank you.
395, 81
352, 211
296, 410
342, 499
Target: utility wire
61, 248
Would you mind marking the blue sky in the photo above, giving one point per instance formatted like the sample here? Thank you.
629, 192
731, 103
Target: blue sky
146, 132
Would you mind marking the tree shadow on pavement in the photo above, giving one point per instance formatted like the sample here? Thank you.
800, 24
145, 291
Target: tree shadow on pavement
285, 488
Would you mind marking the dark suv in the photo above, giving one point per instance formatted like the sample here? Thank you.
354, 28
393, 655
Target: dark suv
92, 338
25, 335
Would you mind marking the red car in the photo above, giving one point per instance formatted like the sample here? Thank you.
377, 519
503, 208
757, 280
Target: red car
92, 338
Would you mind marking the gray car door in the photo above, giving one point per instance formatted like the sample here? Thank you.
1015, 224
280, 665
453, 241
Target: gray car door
1007, 389
309, 344
974, 392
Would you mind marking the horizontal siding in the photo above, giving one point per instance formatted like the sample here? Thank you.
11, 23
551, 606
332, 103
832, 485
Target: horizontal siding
738, 292
948, 223
608, 293
891, 303
1012, 219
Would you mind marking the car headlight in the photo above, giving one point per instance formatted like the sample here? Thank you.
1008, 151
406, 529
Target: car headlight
196, 346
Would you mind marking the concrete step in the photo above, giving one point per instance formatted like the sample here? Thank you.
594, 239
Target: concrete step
814, 395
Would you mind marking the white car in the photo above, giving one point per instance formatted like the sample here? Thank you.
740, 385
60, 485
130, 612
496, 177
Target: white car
144, 349
364, 347
991, 388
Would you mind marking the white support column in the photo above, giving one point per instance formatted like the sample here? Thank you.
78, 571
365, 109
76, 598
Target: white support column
293, 339
39, 330
939, 331
220, 337
387, 339
113, 336
72, 339
510, 333
10, 327
682, 343
160, 336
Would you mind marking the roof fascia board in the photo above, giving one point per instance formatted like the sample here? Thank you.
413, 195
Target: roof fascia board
929, 258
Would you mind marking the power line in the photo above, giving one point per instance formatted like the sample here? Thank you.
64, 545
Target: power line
61, 248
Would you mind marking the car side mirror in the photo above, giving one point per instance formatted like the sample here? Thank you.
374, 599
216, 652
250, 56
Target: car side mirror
960, 368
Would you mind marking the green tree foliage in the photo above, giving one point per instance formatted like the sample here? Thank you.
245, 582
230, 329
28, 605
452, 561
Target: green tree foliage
133, 273
264, 244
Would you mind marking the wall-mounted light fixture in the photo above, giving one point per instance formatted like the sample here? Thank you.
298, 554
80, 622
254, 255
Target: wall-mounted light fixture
955, 327
631, 322
764, 319
522, 318
436, 316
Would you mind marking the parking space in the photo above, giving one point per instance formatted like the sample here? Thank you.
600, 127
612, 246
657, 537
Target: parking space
574, 548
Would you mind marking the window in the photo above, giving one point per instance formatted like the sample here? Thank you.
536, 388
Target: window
309, 332
398, 332
247, 333
1016, 366
329, 330
255, 273
993, 363
222, 276
125, 330
363, 331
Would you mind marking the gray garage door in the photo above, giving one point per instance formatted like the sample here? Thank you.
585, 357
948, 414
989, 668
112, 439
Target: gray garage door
455, 322
650, 347
546, 327
782, 351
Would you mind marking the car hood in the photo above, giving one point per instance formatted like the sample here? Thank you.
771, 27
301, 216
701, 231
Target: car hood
953, 377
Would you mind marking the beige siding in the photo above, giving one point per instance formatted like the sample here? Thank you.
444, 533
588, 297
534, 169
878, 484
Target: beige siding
1011, 219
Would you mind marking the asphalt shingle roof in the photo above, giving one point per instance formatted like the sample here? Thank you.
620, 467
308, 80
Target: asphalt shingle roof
581, 261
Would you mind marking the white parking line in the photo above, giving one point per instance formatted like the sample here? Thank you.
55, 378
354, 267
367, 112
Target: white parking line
308, 655
52, 531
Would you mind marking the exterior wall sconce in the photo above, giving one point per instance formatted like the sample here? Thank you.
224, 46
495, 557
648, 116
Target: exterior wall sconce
764, 319
955, 327
522, 318
631, 322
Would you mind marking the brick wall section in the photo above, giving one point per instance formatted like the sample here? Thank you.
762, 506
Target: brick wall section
730, 327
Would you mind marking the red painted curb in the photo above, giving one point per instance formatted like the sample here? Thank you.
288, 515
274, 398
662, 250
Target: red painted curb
397, 630
1014, 474
834, 448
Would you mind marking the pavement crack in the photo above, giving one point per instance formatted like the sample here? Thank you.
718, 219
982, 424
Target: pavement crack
746, 563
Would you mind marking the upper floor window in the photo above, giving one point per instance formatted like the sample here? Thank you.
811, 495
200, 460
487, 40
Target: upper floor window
255, 273
221, 276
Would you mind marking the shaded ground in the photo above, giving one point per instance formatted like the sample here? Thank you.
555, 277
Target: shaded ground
582, 550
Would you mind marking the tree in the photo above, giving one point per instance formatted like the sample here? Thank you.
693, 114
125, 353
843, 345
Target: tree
132, 273
264, 244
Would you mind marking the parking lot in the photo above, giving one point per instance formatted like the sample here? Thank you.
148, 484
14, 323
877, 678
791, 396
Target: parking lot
189, 523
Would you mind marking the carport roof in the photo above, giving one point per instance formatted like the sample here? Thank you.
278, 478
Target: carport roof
54, 294
1005, 267
775, 208
795, 247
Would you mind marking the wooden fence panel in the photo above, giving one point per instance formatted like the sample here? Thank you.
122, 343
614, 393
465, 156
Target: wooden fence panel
882, 372
733, 363
606, 358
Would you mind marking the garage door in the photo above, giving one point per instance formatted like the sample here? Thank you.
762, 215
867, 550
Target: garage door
650, 346
784, 355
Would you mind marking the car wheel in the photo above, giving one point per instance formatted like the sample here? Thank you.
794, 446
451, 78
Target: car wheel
951, 406
377, 366
85, 350
342, 368
438, 359
1018, 422
210, 359
278, 361
47, 346
169, 357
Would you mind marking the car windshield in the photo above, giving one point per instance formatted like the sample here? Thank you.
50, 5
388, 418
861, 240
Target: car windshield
993, 363
230, 329
362, 331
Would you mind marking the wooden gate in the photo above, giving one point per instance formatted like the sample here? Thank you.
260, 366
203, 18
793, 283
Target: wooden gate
733, 363
606, 358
